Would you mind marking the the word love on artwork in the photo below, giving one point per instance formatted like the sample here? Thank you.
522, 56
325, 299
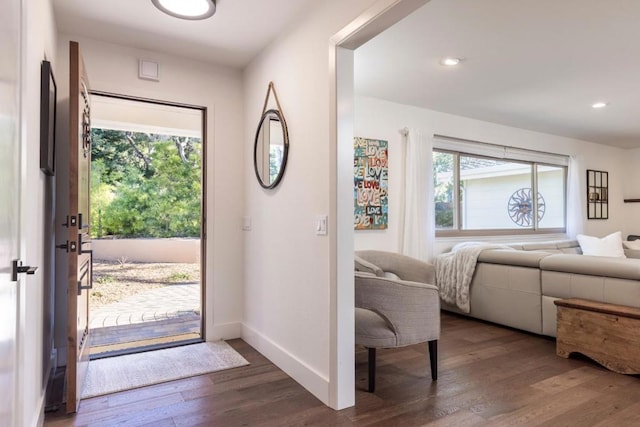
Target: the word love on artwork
370, 179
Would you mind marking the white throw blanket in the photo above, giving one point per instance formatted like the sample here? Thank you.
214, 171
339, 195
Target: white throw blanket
454, 271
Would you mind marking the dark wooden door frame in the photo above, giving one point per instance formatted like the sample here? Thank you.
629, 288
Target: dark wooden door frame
203, 195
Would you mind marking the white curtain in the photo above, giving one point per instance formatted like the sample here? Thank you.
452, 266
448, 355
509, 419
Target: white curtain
575, 197
417, 223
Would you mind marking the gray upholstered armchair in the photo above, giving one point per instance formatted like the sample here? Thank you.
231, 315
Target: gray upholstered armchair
396, 305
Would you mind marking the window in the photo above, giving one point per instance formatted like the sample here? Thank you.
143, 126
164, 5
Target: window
480, 194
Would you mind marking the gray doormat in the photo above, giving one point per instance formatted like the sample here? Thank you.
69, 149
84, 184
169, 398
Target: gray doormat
113, 374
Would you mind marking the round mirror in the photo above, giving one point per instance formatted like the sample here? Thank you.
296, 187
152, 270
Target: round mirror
271, 149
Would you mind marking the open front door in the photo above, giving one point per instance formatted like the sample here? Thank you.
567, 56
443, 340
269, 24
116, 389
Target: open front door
78, 245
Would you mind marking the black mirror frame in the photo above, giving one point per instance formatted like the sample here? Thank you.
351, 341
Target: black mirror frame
285, 154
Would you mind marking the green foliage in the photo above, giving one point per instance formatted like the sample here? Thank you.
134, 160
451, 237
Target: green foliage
179, 277
105, 279
145, 185
443, 189
275, 162
444, 215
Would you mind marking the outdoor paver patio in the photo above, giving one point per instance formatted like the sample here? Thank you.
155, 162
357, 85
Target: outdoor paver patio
167, 302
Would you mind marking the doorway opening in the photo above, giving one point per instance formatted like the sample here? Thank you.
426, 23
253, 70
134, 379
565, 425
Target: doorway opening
380, 17
147, 212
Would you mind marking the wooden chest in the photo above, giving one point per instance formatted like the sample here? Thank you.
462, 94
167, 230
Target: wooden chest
606, 333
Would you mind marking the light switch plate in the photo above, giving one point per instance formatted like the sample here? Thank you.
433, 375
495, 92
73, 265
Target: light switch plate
321, 225
246, 223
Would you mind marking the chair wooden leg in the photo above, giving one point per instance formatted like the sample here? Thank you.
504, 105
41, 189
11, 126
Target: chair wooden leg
372, 369
433, 358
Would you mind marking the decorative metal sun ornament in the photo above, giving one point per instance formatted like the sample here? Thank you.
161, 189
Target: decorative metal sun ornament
521, 207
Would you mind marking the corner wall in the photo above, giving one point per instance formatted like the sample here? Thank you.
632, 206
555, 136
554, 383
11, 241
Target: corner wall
287, 287
114, 68
379, 119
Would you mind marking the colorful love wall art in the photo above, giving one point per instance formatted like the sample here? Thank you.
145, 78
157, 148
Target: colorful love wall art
371, 178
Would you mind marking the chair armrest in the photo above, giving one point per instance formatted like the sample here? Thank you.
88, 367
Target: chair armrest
361, 264
412, 309
405, 267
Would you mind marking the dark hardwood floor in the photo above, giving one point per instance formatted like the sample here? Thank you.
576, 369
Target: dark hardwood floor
488, 375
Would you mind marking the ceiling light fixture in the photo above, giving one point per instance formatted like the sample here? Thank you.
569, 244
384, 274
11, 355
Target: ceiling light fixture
450, 62
599, 105
187, 9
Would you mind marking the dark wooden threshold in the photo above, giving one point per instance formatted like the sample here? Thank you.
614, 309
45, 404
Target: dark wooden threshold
141, 347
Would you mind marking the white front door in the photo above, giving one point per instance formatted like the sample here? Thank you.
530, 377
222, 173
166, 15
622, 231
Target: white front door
9, 202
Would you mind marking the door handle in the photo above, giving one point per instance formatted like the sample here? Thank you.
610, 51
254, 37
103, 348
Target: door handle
89, 271
70, 222
18, 268
68, 246
81, 243
82, 226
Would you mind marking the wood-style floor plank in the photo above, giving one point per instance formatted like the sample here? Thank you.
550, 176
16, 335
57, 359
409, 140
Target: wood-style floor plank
489, 376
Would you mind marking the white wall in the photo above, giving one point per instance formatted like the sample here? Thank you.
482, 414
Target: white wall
114, 68
39, 38
631, 190
375, 118
287, 290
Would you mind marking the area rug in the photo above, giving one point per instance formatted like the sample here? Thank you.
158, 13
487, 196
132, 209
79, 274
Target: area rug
120, 373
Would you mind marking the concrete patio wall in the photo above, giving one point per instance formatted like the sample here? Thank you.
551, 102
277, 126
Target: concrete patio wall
147, 250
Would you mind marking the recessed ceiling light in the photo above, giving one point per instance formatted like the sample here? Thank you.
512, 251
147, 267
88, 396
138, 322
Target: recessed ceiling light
599, 105
450, 62
187, 9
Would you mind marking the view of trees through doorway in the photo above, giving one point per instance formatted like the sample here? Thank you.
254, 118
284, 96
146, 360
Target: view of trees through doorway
146, 219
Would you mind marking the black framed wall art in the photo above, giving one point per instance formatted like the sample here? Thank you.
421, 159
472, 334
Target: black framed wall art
48, 94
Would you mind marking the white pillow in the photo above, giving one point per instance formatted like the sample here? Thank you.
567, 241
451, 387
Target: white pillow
609, 246
632, 244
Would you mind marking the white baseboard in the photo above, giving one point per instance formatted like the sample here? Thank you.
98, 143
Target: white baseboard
316, 383
225, 331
